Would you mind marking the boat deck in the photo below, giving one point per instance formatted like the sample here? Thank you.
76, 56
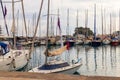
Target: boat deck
38, 76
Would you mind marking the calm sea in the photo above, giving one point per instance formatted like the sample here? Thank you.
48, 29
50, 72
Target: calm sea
101, 61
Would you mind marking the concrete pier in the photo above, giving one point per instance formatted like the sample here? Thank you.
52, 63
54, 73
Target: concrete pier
37, 76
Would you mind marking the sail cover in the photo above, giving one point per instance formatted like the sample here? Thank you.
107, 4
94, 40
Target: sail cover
4, 47
57, 51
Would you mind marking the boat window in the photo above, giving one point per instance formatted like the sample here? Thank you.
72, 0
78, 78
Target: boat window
53, 66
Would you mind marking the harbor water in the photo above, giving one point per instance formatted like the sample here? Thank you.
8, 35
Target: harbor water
100, 61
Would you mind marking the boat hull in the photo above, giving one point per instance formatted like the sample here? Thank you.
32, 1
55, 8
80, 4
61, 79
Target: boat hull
71, 43
87, 42
95, 43
114, 43
106, 42
15, 62
66, 70
79, 42
69, 71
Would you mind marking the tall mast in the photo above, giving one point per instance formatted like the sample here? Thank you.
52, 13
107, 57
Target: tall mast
95, 21
47, 30
4, 18
36, 26
33, 19
110, 24
67, 30
77, 22
24, 18
86, 22
102, 20
52, 28
60, 30
17, 21
13, 24
77, 18
28, 28
119, 19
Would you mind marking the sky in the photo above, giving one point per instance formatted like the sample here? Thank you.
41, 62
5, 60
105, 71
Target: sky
32, 9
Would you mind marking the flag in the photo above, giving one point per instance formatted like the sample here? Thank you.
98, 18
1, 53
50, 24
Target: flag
58, 23
5, 11
68, 45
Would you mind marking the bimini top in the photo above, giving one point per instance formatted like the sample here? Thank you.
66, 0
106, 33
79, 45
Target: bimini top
4, 47
53, 66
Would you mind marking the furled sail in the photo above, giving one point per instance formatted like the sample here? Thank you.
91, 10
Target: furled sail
57, 51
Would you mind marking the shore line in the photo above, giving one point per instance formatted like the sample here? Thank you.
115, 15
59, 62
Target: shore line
37, 76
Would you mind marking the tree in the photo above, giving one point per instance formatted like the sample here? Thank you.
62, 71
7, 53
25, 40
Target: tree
83, 31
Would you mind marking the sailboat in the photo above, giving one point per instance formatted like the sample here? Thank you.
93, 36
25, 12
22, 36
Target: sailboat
114, 37
69, 39
87, 41
78, 41
54, 65
105, 38
57, 66
96, 41
12, 59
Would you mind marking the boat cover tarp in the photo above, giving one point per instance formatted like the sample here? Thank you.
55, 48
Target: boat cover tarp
114, 38
53, 66
4, 47
57, 51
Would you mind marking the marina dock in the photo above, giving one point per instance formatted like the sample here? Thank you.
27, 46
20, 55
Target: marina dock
37, 76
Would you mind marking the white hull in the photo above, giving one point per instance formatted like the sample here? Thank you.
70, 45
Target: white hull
42, 42
78, 42
106, 41
14, 60
68, 70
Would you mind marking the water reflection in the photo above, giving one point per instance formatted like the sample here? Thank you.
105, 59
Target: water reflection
101, 61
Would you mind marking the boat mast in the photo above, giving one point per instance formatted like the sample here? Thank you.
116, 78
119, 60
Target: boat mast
13, 25
51, 27
36, 27
60, 30
47, 31
86, 22
4, 18
33, 20
67, 30
24, 18
119, 20
17, 22
95, 21
110, 24
28, 28
77, 23
102, 20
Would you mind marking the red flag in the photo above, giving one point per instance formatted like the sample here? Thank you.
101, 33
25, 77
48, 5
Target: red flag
68, 45
58, 23
5, 11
